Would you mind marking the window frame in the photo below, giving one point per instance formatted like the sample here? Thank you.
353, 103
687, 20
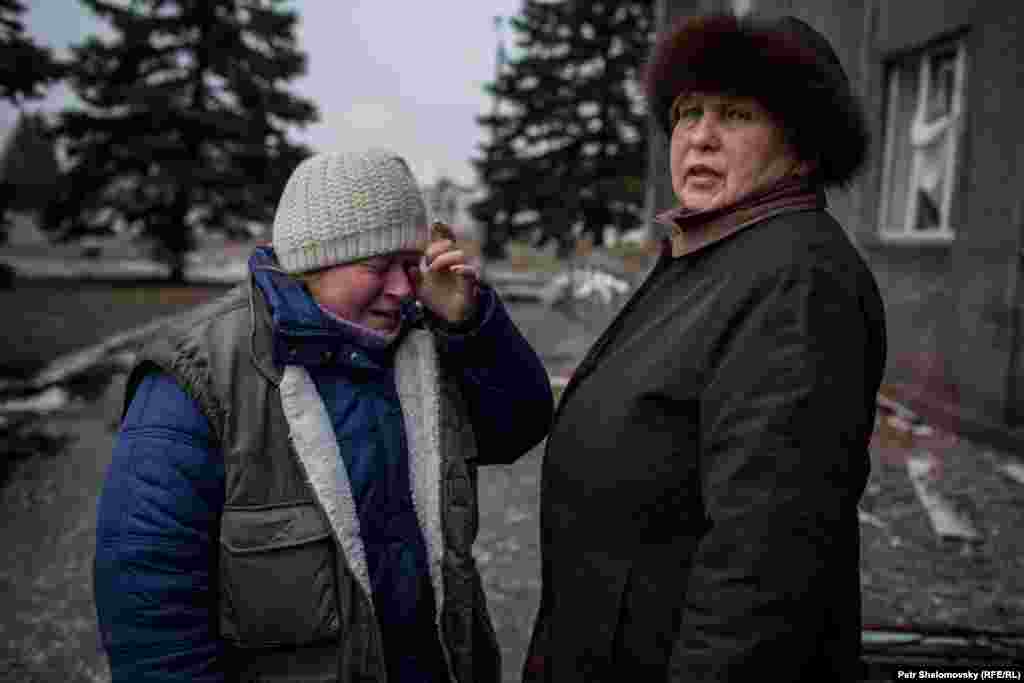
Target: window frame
888, 232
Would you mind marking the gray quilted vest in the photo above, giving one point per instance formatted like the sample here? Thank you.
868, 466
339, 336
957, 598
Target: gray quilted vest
294, 599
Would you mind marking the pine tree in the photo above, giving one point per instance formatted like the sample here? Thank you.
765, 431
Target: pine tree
566, 155
26, 68
29, 164
185, 125
25, 72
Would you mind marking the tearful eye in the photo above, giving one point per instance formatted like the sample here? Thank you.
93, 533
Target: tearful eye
739, 115
382, 267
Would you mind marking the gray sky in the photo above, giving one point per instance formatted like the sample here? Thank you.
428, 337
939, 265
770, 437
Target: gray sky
395, 73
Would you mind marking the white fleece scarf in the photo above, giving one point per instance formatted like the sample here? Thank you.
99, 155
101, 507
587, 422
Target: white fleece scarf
417, 380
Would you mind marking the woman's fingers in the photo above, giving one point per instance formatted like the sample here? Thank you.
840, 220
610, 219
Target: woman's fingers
445, 260
466, 270
435, 249
447, 284
441, 231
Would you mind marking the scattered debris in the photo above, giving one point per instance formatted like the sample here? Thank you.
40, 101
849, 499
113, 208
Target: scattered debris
920, 646
48, 401
592, 282
894, 434
514, 285
944, 518
577, 284
24, 435
900, 424
922, 430
898, 409
868, 518
1013, 470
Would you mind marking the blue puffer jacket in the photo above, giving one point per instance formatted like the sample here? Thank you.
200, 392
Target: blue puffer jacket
159, 513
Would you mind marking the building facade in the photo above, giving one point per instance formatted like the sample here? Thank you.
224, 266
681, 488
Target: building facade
938, 211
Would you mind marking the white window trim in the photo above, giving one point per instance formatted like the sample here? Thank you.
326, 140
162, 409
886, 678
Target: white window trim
905, 234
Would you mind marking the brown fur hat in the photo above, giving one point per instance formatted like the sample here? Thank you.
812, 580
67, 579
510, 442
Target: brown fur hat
784, 64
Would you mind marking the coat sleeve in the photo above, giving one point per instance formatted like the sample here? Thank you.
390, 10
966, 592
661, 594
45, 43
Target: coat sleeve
157, 529
503, 382
785, 418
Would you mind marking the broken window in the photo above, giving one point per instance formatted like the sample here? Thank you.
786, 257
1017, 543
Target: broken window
922, 135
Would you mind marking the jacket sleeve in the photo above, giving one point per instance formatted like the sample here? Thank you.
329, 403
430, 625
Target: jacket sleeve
157, 529
784, 419
503, 382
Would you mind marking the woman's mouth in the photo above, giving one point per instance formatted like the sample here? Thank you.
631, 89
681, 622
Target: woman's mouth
702, 174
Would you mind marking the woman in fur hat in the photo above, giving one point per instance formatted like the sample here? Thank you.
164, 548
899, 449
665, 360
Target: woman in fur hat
700, 486
292, 496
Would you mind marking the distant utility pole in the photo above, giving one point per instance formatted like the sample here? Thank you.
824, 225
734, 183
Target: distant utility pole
499, 63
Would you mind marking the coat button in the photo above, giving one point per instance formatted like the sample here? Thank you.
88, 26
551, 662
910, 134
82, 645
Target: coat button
292, 352
328, 356
354, 357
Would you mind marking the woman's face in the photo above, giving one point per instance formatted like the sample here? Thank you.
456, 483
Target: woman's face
724, 148
368, 292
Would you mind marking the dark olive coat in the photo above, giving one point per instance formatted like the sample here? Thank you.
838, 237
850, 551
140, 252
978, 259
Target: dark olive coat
701, 480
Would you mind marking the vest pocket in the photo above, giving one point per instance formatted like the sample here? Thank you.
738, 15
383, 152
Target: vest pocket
277, 574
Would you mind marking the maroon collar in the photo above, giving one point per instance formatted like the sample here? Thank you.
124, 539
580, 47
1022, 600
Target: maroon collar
693, 230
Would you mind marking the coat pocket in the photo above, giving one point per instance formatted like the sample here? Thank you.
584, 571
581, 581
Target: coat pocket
278, 579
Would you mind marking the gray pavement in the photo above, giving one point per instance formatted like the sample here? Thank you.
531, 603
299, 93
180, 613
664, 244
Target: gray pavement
48, 624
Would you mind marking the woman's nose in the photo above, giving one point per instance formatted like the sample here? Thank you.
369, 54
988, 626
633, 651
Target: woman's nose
704, 132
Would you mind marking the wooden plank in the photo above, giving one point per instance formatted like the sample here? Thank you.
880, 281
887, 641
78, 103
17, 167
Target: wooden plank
1010, 468
1014, 470
945, 521
868, 518
897, 408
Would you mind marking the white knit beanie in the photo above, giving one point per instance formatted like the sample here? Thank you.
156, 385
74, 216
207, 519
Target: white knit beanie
340, 207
